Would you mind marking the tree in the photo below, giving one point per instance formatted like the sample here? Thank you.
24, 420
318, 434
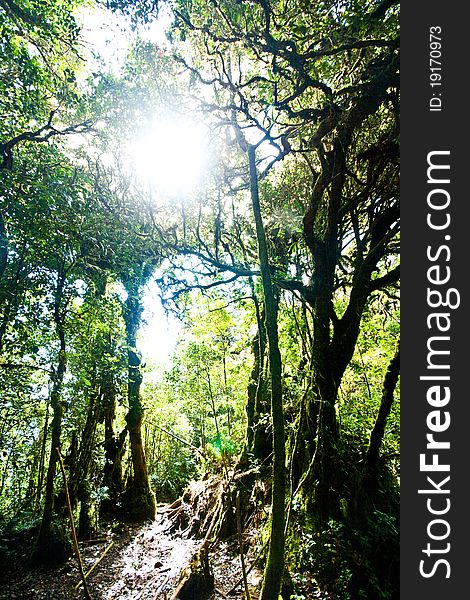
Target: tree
317, 95
140, 502
275, 565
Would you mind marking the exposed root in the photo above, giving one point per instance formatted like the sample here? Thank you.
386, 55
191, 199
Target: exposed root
193, 513
207, 510
196, 579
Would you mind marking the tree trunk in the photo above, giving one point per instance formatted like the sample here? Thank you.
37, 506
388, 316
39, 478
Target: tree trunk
10, 292
372, 480
322, 476
377, 434
258, 438
114, 446
85, 525
3, 247
139, 499
42, 460
46, 548
79, 487
273, 572
33, 475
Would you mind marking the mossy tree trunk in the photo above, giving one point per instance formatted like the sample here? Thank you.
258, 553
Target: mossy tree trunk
42, 460
258, 438
114, 446
3, 246
335, 336
378, 431
11, 288
273, 573
45, 547
139, 499
373, 482
79, 486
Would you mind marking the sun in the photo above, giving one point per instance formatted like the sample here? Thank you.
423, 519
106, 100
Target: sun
171, 157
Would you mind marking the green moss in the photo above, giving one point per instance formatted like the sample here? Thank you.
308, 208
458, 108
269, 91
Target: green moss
138, 505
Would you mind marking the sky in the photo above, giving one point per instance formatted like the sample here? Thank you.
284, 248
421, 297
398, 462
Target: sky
159, 335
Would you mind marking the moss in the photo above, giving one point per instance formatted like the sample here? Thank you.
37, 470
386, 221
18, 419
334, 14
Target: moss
138, 505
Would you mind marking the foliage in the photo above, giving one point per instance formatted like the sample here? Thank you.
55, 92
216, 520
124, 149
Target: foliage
361, 388
172, 464
200, 399
348, 563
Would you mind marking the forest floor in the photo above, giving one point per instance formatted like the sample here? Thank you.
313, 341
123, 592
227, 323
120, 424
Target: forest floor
143, 563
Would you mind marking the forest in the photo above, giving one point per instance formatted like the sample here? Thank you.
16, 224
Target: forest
199, 299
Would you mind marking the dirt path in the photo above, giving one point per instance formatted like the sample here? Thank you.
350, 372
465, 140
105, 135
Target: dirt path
143, 563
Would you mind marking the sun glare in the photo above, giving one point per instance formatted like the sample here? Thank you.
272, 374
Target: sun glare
171, 157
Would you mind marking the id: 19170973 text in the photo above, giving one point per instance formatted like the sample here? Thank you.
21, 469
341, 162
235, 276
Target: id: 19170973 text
435, 68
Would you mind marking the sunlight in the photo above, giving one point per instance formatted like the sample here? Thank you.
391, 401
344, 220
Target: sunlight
159, 333
171, 158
